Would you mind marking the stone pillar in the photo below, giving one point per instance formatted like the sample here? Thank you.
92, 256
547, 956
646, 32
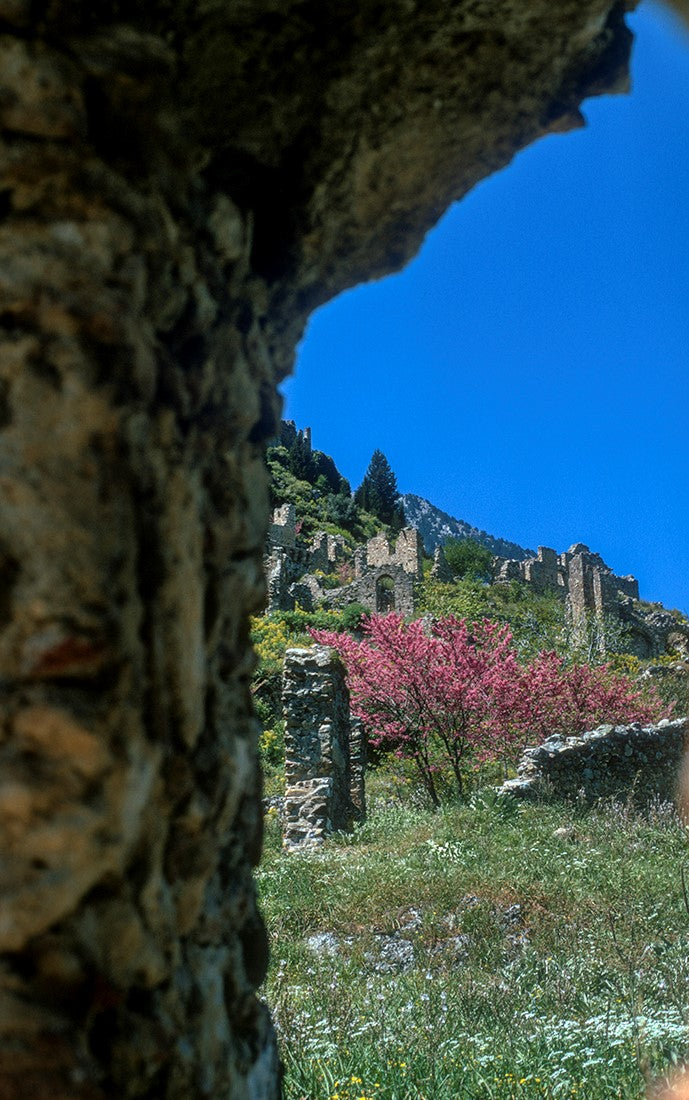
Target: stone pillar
440, 570
581, 597
317, 763
360, 561
357, 759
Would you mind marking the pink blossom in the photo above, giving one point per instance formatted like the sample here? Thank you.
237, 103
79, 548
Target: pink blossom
457, 695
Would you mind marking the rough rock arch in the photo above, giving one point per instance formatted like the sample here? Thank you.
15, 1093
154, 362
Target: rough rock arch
181, 182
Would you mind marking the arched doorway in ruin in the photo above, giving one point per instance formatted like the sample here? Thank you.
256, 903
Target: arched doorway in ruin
385, 594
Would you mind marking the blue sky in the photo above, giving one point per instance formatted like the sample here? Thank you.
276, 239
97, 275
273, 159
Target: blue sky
527, 372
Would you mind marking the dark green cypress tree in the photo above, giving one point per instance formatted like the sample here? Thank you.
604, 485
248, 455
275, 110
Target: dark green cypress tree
378, 492
300, 460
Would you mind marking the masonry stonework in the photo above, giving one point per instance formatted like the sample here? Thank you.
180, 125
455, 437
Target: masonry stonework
594, 593
318, 771
182, 184
385, 575
641, 763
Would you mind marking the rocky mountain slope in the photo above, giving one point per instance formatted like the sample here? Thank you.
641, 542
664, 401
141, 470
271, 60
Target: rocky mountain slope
436, 527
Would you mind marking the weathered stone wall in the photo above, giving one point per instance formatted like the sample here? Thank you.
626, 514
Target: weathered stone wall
291, 570
387, 588
640, 762
407, 552
180, 185
590, 584
440, 570
543, 572
318, 774
593, 591
283, 529
326, 551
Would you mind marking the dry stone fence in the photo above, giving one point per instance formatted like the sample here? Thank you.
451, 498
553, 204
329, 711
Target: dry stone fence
638, 762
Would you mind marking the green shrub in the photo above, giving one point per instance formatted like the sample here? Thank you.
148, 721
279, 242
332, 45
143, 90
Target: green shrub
468, 558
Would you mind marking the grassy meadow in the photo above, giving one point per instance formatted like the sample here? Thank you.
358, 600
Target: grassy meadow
491, 949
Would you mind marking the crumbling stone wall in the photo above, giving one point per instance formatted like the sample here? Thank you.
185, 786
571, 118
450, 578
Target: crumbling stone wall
180, 185
407, 552
440, 570
592, 590
318, 774
291, 570
640, 762
578, 573
387, 588
283, 529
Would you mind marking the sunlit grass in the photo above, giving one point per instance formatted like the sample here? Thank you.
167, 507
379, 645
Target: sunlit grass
489, 950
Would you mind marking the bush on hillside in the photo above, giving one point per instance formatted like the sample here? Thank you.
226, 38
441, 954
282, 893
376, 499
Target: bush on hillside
468, 558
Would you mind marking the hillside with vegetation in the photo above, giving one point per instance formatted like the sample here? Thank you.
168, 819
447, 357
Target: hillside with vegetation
324, 501
458, 943
487, 951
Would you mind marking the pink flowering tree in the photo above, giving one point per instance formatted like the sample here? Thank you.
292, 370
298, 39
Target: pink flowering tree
560, 697
453, 694
439, 698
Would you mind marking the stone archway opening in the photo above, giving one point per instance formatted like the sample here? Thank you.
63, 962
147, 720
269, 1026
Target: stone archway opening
385, 594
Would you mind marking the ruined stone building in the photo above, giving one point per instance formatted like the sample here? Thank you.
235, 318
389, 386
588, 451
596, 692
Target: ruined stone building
384, 575
591, 589
182, 185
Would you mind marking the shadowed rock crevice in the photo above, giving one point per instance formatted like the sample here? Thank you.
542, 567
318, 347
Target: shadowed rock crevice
181, 184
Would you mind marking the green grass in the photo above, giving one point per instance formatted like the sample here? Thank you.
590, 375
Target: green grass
541, 965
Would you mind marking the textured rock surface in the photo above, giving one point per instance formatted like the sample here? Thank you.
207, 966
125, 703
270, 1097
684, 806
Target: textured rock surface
180, 184
315, 701
640, 762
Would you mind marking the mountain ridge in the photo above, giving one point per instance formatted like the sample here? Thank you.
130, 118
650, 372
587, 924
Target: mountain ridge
436, 527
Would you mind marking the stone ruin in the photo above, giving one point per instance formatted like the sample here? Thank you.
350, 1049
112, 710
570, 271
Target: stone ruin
592, 591
182, 186
385, 575
638, 762
325, 750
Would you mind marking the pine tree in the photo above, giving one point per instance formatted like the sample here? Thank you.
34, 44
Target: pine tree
378, 492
